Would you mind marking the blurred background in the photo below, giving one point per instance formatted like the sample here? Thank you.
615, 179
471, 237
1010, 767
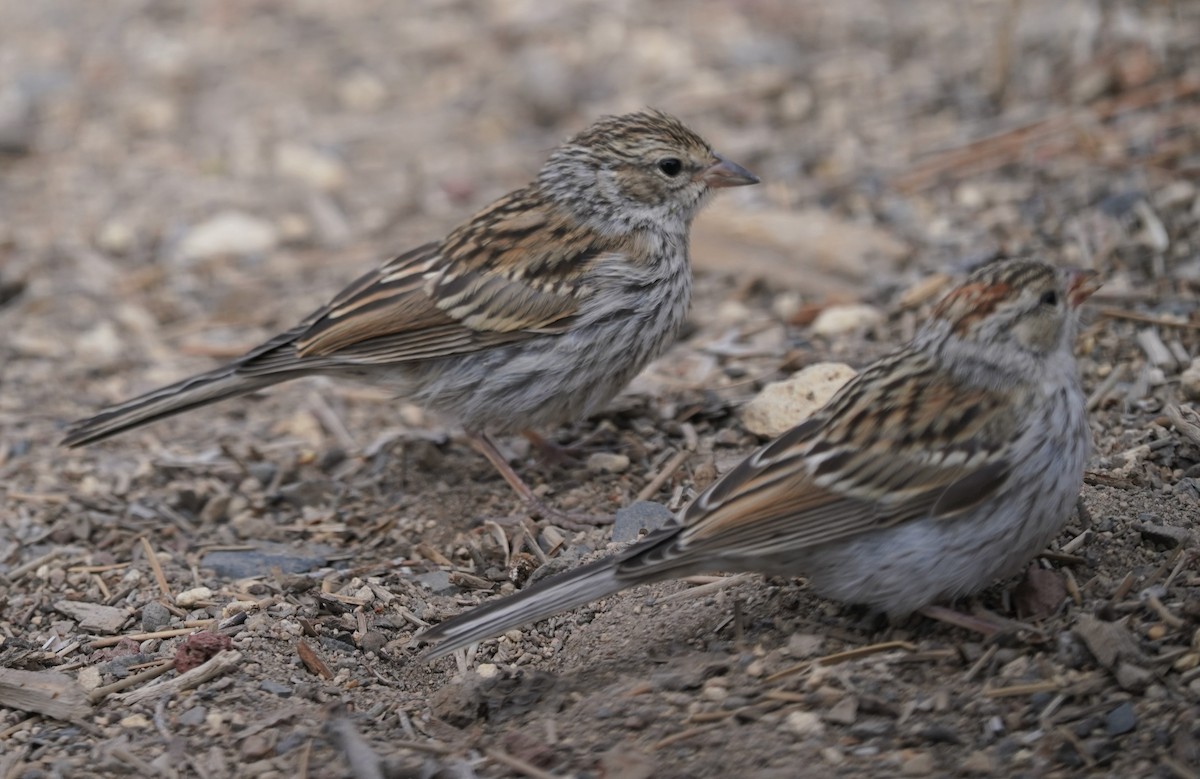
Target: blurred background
173, 168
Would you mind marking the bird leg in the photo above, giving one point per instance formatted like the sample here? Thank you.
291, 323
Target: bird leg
481, 443
551, 453
988, 625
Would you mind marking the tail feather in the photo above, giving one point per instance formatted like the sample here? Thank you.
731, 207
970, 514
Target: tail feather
183, 396
544, 599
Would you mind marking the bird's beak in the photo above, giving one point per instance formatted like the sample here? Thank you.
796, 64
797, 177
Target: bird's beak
724, 173
1081, 284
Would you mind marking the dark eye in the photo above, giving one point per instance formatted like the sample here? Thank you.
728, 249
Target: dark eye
1049, 298
670, 166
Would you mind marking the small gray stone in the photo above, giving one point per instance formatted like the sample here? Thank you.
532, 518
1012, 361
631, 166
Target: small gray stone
633, 519
193, 716
437, 582
1121, 720
155, 616
242, 564
276, 688
1133, 678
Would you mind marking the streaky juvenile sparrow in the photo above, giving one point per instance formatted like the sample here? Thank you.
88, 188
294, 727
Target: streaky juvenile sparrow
940, 468
536, 311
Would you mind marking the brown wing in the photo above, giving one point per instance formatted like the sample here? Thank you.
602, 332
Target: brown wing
934, 448
512, 272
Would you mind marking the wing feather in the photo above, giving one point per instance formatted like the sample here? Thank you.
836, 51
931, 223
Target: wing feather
944, 448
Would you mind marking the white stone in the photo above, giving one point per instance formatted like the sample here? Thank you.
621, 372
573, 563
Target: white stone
805, 724
314, 167
843, 319
231, 232
194, 596
607, 462
487, 670
784, 404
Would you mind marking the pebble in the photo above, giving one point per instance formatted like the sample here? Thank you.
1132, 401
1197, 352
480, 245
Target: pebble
193, 716
115, 238
781, 405
835, 320
1121, 720
230, 232
607, 462
312, 166
977, 763
804, 724
632, 520
1189, 380
193, 597
154, 616
437, 582
844, 711
918, 765
1133, 678
242, 564
275, 688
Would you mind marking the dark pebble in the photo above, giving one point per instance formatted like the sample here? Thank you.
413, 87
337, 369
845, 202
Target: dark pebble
1121, 720
276, 688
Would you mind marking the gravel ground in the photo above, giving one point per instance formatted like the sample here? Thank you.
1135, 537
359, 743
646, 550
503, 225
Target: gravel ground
180, 180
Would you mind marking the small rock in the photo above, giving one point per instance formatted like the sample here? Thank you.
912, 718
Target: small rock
920, 764
89, 678
1039, 593
977, 763
872, 727
1107, 641
242, 564
312, 166
230, 232
1121, 720
115, 238
134, 721
1133, 678
624, 761
1189, 380
844, 712
256, 747
372, 641
607, 462
154, 616
275, 688
362, 91
94, 617
18, 121
487, 670
784, 404
193, 597
804, 724
644, 515
193, 716
437, 582
843, 319
803, 645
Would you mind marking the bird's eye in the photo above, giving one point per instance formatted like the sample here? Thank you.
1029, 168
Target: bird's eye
670, 166
1049, 298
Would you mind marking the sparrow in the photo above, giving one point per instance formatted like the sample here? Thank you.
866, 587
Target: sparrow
938, 469
534, 312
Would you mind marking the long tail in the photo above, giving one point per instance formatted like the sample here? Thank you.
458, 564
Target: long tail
222, 383
544, 599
